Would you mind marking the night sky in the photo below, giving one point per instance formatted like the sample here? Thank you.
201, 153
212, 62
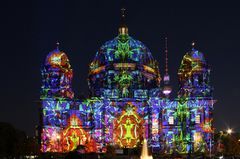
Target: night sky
30, 29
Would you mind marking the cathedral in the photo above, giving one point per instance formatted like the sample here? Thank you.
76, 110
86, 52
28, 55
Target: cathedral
126, 102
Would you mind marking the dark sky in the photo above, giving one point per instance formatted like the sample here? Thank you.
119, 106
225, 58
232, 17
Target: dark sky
30, 29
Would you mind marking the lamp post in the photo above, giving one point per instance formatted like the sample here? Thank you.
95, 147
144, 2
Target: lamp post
229, 131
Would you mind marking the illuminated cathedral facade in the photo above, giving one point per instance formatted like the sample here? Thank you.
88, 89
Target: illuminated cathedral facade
127, 103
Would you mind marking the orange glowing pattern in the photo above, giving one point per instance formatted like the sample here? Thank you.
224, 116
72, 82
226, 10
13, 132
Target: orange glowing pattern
190, 65
57, 59
207, 126
60, 60
149, 69
128, 128
97, 70
75, 135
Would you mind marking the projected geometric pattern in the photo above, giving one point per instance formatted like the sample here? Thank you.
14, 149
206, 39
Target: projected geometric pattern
126, 102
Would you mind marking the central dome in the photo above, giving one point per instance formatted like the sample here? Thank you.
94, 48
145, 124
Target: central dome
123, 66
124, 48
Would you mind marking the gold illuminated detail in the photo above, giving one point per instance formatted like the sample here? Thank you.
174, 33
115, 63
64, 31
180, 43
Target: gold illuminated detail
149, 69
97, 70
124, 65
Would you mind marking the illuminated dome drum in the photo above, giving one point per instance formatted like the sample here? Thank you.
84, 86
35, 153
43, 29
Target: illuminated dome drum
123, 67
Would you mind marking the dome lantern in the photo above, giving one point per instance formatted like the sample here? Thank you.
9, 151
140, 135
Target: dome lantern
123, 29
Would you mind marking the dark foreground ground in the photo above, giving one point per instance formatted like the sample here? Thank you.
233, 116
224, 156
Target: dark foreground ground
155, 156
104, 156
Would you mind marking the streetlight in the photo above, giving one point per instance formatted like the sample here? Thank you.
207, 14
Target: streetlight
229, 131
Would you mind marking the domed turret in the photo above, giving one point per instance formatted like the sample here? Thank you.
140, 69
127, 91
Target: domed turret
58, 59
123, 29
194, 75
57, 76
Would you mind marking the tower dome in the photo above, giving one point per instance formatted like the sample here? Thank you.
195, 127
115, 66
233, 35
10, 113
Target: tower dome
58, 59
193, 63
125, 67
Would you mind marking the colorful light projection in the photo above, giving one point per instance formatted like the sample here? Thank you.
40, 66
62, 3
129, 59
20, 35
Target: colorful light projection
199, 142
57, 76
117, 63
126, 102
183, 122
51, 140
124, 79
75, 135
194, 75
128, 128
56, 139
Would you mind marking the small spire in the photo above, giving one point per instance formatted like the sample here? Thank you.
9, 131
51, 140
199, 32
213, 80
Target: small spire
166, 56
193, 45
123, 29
57, 45
123, 13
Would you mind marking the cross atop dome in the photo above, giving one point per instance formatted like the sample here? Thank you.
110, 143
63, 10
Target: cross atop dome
193, 45
57, 45
123, 12
123, 29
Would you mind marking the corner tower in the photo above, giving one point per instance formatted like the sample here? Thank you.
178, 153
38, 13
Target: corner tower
194, 75
57, 76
